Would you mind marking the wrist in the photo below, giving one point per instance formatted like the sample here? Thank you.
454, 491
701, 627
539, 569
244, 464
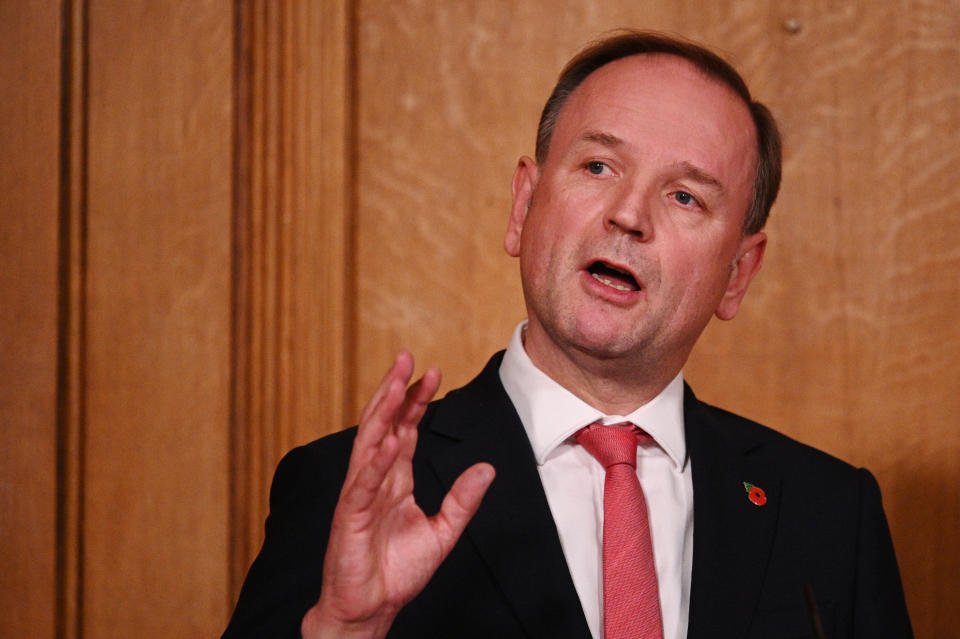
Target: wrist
318, 623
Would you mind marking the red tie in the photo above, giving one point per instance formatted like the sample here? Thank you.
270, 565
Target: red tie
631, 602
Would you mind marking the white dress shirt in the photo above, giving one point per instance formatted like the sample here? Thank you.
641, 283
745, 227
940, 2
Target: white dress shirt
573, 482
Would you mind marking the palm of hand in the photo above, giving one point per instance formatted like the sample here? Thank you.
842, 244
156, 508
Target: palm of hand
383, 549
390, 551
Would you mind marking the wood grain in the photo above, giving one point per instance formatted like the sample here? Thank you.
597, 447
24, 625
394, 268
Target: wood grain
157, 323
29, 116
850, 340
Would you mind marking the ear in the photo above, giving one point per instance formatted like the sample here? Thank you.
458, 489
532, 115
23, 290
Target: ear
749, 258
524, 183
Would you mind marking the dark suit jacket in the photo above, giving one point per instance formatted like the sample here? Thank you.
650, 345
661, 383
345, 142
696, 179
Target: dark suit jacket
822, 525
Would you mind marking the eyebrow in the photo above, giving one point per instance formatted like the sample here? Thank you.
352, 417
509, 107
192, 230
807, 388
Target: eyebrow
699, 175
605, 139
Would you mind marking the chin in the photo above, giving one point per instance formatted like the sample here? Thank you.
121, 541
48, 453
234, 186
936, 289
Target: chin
609, 343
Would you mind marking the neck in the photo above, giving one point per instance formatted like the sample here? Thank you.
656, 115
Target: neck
614, 386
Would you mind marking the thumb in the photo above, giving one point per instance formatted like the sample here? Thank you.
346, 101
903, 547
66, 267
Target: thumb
461, 503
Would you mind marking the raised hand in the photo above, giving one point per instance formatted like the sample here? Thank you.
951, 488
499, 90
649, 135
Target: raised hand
383, 549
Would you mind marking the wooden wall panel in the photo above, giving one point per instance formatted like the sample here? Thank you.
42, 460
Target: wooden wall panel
848, 340
173, 295
197, 326
157, 320
291, 307
439, 131
29, 117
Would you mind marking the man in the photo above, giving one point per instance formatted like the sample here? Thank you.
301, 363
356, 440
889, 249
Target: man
639, 220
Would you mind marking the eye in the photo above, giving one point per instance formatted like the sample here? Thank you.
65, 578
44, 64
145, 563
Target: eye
684, 198
595, 167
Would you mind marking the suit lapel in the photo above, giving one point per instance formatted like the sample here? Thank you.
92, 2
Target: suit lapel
513, 531
733, 535
515, 534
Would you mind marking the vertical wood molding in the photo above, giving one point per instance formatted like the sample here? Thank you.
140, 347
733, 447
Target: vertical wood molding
290, 312
31, 82
71, 331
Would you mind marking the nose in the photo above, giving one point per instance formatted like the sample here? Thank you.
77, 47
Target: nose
630, 213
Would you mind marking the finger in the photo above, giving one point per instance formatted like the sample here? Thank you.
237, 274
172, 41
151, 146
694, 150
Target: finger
390, 404
380, 411
461, 503
369, 478
379, 419
416, 400
375, 429
418, 397
415, 403
402, 369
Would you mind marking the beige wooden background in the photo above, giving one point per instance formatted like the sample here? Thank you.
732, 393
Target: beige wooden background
218, 221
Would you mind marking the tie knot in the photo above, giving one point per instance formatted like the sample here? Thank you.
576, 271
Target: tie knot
611, 445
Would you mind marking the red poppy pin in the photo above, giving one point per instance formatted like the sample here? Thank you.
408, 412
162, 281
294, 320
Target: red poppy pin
755, 494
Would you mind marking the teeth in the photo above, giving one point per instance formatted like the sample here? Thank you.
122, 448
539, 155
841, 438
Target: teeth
610, 283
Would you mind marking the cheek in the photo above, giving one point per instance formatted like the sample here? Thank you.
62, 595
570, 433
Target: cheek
544, 235
535, 252
699, 276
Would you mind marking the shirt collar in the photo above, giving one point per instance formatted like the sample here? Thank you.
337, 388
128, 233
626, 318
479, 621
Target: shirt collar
551, 414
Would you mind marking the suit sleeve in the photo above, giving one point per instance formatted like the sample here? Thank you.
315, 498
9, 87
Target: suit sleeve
880, 606
284, 580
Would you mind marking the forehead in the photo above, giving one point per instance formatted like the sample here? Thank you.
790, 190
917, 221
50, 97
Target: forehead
664, 109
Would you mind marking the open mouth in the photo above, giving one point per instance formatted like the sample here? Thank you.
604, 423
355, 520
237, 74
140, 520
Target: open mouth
613, 277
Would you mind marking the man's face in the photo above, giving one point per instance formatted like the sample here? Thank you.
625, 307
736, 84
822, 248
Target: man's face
629, 235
